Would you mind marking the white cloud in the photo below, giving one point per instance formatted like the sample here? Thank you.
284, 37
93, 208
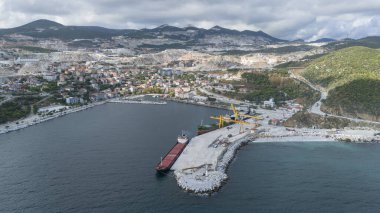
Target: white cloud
288, 19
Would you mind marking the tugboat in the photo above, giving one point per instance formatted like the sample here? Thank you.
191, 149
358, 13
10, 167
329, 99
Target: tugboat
167, 162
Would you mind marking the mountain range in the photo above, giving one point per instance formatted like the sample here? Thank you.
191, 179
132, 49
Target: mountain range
48, 29
171, 37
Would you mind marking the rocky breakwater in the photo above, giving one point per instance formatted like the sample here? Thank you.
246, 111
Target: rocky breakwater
202, 166
364, 135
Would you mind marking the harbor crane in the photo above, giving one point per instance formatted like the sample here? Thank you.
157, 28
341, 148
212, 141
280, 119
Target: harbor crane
238, 115
222, 120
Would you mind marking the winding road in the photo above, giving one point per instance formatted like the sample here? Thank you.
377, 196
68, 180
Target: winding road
316, 107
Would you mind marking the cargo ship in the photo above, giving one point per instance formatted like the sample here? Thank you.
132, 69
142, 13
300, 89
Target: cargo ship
202, 129
167, 162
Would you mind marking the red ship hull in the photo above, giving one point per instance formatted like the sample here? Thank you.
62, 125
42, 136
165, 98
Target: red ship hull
170, 158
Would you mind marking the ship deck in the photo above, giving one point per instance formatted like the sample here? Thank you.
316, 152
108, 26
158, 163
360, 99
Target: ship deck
171, 157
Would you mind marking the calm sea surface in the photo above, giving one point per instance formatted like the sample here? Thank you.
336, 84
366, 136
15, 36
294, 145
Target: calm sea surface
103, 159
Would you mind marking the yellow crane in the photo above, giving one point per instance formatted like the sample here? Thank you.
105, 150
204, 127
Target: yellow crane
222, 120
238, 115
251, 116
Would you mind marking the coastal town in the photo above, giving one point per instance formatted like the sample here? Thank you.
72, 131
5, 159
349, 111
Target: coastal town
68, 85
62, 81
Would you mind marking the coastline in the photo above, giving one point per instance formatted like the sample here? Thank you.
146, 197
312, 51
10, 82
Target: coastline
197, 104
36, 119
121, 101
290, 139
202, 168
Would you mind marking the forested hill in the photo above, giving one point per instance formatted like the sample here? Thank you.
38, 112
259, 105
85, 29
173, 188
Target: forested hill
345, 65
352, 76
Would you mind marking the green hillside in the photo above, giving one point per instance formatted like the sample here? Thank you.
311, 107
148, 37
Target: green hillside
343, 66
352, 76
370, 41
360, 98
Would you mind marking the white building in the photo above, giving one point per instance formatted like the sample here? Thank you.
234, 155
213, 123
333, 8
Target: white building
169, 72
54, 108
50, 77
73, 100
200, 98
269, 103
26, 60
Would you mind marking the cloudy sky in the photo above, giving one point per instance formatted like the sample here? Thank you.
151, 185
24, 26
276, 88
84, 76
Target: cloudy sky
286, 19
